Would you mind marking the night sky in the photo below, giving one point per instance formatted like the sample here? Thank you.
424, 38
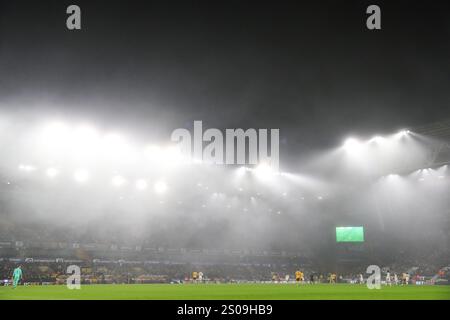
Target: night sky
313, 70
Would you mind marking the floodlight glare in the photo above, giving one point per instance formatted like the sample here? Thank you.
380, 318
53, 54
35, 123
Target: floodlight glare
81, 175
403, 133
26, 168
173, 153
352, 145
85, 140
113, 139
160, 187
115, 145
55, 128
52, 172
264, 171
164, 156
86, 131
55, 134
377, 140
241, 171
393, 175
153, 153
117, 181
141, 184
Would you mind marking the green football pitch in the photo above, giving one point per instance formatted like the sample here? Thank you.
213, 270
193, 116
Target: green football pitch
226, 292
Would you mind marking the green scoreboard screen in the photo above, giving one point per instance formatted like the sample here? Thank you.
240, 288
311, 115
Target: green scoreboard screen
350, 234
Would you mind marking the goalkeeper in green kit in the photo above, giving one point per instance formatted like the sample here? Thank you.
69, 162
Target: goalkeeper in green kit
17, 276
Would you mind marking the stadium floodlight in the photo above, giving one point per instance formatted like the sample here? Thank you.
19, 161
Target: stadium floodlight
241, 171
55, 128
173, 154
118, 181
169, 155
264, 171
113, 139
86, 131
26, 168
115, 146
153, 153
55, 134
403, 133
85, 141
141, 184
81, 175
352, 145
165, 156
377, 140
160, 187
52, 172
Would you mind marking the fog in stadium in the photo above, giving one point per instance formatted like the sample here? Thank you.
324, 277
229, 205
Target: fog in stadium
101, 184
86, 117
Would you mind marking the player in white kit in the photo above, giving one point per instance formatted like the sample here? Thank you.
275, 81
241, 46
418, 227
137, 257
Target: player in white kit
388, 278
395, 279
361, 279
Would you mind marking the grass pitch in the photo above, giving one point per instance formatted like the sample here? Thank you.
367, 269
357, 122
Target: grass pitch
225, 292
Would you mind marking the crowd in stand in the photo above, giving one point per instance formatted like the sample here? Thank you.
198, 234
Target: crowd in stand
135, 272
165, 267
52, 272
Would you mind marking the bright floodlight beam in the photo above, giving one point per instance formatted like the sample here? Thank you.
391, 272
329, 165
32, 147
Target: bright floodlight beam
166, 156
117, 181
141, 184
403, 133
241, 171
52, 172
85, 141
115, 146
352, 145
81, 175
153, 153
160, 187
377, 140
264, 171
26, 168
55, 134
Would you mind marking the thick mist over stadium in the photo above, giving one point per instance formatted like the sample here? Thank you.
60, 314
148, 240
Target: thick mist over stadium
87, 183
86, 118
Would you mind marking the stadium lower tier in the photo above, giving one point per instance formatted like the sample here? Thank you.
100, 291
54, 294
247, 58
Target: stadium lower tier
55, 271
